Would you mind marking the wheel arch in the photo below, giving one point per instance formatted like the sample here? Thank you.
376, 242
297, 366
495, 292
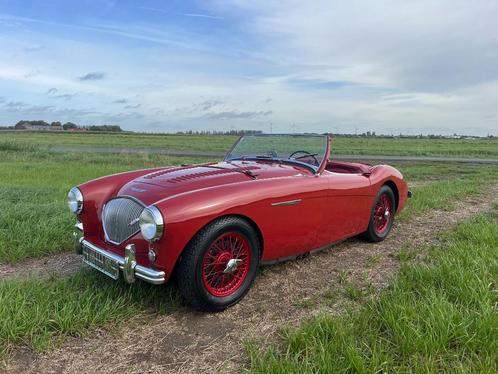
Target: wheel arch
394, 188
251, 222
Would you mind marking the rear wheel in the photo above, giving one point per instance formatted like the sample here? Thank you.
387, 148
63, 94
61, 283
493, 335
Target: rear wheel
382, 216
218, 267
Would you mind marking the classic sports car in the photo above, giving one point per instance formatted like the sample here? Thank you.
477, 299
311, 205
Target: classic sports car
274, 197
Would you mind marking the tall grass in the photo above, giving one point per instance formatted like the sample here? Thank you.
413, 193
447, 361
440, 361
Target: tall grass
37, 313
438, 316
34, 218
440, 195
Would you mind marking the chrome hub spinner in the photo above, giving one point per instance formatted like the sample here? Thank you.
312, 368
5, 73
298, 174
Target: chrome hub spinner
232, 265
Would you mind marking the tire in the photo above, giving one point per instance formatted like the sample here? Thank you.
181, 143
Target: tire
379, 227
205, 279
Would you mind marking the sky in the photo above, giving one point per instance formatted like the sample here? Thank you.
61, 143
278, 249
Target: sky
389, 66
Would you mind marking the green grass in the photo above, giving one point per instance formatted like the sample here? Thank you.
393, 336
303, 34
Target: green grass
35, 221
437, 316
34, 218
39, 313
482, 148
214, 143
439, 195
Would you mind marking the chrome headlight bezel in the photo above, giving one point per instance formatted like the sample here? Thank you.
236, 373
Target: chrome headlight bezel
151, 223
75, 200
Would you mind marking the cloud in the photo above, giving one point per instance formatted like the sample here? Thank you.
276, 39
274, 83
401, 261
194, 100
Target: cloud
236, 115
420, 66
65, 96
134, 106
201, 15
95, 76
15, 105
53, 94
21, 107
195, 15
208, 104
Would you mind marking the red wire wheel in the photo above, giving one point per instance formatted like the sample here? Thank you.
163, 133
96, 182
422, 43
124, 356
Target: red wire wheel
225, 264
382, 214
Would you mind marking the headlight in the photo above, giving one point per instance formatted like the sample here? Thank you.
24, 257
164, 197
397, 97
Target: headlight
75, 200
151, 223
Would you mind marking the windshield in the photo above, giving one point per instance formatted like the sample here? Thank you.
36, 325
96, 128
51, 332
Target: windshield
308, 150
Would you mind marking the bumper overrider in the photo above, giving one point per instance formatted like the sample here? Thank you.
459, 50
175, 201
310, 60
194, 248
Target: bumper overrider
112, 264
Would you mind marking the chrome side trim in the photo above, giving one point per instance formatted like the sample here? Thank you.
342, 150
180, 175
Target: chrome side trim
286, 203
141, 272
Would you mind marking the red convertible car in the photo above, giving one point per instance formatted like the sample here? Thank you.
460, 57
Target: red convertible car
274, 197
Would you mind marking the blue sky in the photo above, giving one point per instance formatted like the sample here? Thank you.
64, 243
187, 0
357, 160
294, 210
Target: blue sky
386, 66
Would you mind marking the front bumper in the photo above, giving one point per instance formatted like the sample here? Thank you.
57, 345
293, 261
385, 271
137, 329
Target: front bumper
127, 265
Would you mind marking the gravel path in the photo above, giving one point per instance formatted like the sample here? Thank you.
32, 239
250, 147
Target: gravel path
187, 341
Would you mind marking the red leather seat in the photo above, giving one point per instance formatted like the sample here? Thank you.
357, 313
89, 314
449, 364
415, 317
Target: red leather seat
348, 167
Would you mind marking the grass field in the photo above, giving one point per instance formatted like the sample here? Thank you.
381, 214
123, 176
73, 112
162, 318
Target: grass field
439, 315
35, 220
482, 148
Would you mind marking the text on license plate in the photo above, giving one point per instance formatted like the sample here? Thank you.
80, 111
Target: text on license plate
106, 265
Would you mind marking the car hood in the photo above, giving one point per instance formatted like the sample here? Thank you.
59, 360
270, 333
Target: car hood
168, 182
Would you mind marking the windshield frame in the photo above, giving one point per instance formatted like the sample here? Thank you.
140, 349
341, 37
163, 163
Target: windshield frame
314, 169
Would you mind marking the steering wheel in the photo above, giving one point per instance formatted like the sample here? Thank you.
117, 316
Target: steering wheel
306, 154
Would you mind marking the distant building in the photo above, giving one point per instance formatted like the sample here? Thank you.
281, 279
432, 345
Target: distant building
38, 126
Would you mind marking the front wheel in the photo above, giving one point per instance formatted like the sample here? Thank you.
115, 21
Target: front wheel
382, 216
219, 265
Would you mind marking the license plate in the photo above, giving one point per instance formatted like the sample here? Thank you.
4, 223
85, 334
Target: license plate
102, 263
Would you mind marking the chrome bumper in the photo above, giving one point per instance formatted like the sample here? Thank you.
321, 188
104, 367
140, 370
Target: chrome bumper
128, 264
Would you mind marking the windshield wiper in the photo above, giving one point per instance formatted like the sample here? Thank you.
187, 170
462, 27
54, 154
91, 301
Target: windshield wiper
249, 173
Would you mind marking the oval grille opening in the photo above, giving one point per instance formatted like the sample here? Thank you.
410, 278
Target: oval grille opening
120, 219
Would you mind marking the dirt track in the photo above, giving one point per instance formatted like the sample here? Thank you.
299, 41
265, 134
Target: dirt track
186, 341
61, 264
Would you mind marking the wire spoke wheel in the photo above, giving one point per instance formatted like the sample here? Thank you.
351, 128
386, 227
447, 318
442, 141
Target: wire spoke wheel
225, 264
382, 214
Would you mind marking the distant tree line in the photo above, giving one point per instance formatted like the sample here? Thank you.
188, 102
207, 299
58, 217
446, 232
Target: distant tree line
58, 126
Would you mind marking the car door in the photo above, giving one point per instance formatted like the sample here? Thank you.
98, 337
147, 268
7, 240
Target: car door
290, 222
348, 206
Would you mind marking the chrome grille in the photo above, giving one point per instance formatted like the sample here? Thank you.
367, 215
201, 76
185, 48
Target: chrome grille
120, 219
